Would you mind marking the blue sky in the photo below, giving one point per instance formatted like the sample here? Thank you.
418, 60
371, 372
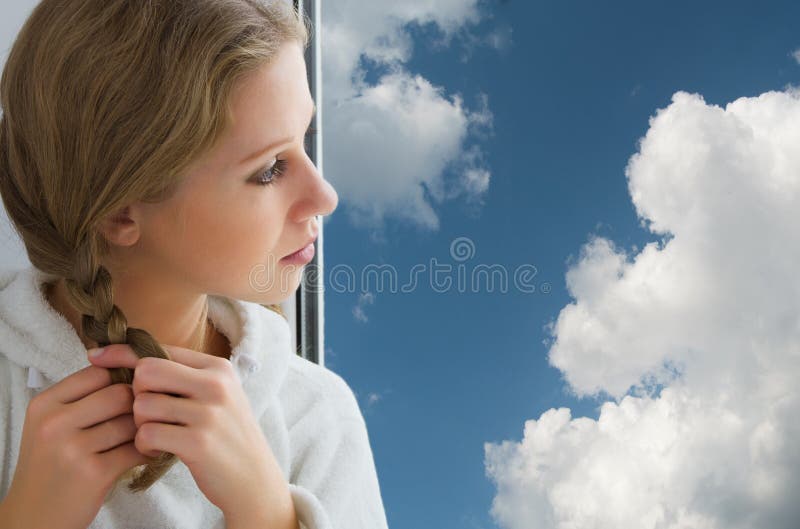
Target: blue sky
570, 91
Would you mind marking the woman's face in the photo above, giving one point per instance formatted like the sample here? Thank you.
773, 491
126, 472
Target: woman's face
223, 232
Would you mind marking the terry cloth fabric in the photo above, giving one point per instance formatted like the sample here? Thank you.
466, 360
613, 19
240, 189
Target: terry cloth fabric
309, 415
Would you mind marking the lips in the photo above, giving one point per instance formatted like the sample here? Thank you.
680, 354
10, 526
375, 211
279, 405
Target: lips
310, 241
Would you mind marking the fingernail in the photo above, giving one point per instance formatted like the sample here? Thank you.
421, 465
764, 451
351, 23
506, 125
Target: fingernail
95, 352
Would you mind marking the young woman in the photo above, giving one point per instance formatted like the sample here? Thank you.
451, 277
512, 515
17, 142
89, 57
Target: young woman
152, 160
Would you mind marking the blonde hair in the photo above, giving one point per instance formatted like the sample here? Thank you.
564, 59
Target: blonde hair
107, 102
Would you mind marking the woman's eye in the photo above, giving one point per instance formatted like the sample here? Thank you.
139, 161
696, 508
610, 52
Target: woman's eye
271, 174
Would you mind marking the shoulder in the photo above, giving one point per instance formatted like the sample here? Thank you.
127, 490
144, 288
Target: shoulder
312, 387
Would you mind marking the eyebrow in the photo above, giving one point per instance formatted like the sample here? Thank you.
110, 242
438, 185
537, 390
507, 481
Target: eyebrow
280, 142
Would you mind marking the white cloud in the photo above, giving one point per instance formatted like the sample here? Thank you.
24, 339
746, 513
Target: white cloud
370, 401
499, 39
366, 298
710, 315
391, 145
372, 398
796, 55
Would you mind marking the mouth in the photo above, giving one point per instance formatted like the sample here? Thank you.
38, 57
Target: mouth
303, 248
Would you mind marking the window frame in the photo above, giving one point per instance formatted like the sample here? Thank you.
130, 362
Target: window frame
305, 310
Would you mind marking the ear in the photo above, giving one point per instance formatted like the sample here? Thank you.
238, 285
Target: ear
122, 228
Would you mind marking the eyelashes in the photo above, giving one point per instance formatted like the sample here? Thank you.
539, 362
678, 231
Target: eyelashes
269, 175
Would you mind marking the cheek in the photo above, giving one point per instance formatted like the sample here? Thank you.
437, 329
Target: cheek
184, 238
240, 230
228, 241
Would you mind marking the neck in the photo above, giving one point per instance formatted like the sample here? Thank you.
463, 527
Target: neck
181, 324
199, 344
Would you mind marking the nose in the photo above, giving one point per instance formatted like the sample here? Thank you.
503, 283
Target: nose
329, 197
316, 197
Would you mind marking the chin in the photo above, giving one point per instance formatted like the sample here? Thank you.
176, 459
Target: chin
280, 297
274, 286
286, 288
273, 297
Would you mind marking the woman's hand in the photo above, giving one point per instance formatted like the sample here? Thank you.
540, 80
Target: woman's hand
194, 406
76, 440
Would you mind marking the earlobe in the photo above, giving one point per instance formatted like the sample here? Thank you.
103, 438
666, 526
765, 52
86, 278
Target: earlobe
121, 228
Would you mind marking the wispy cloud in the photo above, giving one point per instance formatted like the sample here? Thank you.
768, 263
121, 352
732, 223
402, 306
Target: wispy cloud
398, 145
368, 402
372, 398
796, 55
364, 299
695, 337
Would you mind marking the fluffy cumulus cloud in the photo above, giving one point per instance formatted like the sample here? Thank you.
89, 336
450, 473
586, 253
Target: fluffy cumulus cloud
694, 341
398, 145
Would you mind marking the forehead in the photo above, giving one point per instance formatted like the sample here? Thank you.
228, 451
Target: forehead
271, 102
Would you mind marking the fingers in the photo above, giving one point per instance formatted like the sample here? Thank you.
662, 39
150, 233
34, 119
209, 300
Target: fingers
79, 384
122, 355
191, 358
165, 376
93, 377
152, 438
102, 405
157, 407
116, 355
110, 434
152, 373
122, 458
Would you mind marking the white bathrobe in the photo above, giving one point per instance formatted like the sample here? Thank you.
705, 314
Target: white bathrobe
308, 413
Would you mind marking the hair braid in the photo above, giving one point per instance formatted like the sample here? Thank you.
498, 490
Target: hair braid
90, 291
